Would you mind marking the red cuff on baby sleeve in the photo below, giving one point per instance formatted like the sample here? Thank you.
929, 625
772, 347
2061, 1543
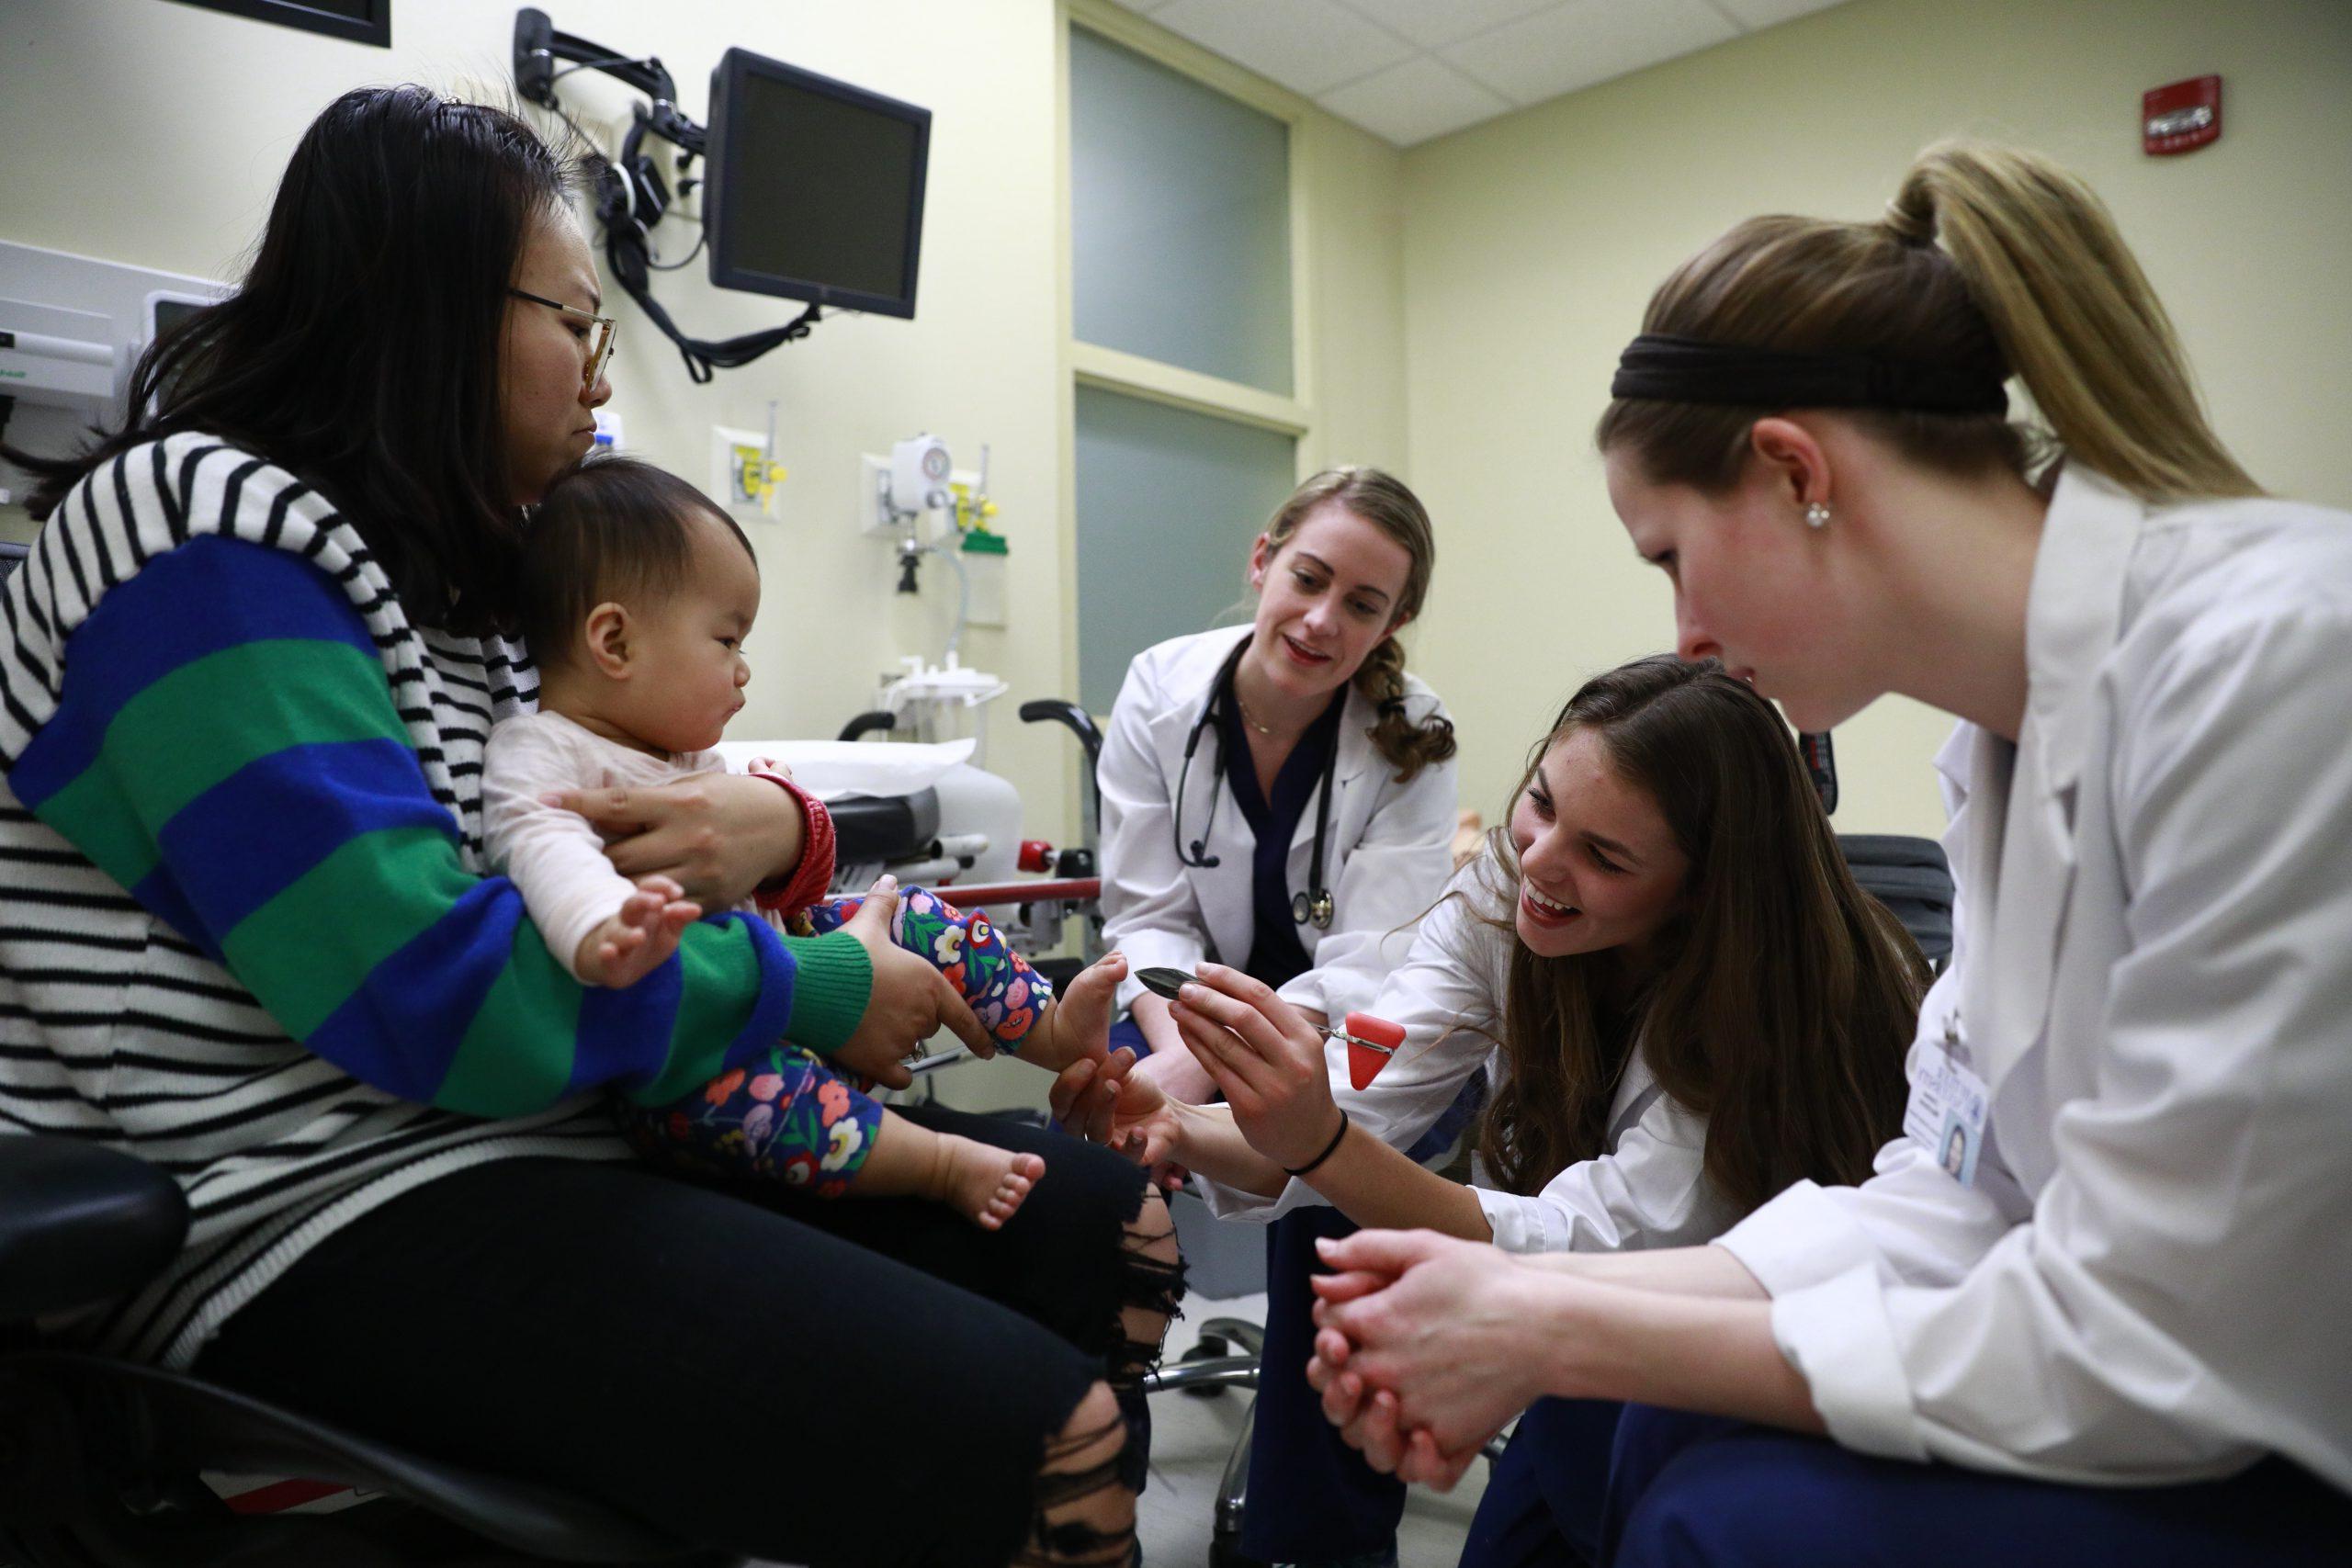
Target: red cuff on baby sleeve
807, 881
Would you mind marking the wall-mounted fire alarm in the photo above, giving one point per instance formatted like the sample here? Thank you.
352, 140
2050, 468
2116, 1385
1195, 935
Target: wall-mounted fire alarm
2182, 115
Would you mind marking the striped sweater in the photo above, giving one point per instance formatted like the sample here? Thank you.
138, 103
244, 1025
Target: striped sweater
244, 932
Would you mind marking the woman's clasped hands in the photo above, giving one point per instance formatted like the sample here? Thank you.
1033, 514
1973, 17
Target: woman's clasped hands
1425, 1348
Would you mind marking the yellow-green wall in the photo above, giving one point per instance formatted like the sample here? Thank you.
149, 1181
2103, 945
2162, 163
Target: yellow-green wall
1533, 242
155, 133
1467, 298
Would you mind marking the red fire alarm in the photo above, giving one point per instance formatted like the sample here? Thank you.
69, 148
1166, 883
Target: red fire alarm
2181, 116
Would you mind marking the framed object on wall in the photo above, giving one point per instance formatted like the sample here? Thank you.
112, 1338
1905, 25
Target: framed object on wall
359, 21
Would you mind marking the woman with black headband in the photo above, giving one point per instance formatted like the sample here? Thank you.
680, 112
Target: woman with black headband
2090, 1305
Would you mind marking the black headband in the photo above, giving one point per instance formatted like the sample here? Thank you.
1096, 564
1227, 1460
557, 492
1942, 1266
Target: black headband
1686, 370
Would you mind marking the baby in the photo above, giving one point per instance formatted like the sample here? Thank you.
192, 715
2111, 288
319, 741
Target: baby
636, 594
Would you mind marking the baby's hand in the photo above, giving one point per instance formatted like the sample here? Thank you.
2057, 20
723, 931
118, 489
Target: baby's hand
640, 940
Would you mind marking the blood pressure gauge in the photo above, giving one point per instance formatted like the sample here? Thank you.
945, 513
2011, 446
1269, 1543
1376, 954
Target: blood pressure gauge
918, 470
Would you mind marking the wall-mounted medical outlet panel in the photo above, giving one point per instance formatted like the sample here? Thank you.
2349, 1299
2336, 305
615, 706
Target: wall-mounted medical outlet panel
875, 518
742, 476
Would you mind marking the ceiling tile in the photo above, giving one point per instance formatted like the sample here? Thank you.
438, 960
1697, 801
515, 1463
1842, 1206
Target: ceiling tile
1412, 102
1309, 46
1755, 14
1583, 43
1433, 22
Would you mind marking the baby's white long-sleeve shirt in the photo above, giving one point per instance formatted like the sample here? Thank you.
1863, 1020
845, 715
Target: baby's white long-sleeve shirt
553, 856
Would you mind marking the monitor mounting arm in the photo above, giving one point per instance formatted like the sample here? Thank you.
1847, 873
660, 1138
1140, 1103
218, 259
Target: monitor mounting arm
629, 194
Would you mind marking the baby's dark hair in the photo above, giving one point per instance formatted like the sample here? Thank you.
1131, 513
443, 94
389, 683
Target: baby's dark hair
608, 527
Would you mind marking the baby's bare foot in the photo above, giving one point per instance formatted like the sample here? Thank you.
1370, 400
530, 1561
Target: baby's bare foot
987, 1184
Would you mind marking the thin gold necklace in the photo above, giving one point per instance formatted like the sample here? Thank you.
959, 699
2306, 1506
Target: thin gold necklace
1247, 716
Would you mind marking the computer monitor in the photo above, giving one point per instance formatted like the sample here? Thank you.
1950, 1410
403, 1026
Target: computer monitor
815, 186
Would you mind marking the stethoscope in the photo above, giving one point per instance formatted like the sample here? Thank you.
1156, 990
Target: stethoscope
1312, 907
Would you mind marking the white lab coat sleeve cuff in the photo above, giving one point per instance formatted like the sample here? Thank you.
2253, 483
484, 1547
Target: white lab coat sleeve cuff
1798, 1239
1839, 1337
1306, 991
1155, 950
1234, 1203
1516, 1221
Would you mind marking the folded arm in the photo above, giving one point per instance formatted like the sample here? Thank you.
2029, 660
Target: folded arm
227, 748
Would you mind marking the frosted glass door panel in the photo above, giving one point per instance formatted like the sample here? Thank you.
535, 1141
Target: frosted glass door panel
1167, 502
1180, 219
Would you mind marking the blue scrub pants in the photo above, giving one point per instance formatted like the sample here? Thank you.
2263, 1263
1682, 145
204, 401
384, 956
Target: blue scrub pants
1313, 1498
1588, 1483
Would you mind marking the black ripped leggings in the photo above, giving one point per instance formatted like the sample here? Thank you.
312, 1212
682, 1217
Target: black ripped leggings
832, 1383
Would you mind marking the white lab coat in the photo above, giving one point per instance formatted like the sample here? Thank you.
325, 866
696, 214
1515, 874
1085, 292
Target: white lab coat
2148, 1282
1648, 1190
1388, 854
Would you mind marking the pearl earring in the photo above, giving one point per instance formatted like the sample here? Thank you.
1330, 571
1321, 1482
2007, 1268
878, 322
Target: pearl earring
1816, 514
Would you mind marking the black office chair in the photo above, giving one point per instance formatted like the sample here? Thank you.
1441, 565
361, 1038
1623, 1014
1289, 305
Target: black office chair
101, 1458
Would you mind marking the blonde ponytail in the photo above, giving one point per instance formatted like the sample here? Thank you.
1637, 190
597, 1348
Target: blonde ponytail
2074, 316
1985, 256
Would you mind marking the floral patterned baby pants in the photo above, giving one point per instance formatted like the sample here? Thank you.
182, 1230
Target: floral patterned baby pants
792, 1119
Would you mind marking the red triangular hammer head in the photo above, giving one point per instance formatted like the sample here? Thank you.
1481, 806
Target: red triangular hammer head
1371, 1041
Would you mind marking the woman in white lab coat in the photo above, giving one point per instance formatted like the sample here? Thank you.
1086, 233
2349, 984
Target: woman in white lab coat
1661, 965
1215, 734
1281, 797
2118, 1330
1661, 968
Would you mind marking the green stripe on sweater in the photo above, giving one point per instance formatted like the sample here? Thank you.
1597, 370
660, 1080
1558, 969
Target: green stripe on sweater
199, 723
722, 983
517, 1052
256, 699
310, 948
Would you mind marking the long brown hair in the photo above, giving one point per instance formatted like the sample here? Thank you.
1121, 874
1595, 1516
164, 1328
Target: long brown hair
1987, 257
1781, 997
1382, 500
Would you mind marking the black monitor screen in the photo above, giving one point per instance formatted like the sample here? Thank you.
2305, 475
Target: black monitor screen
818, 187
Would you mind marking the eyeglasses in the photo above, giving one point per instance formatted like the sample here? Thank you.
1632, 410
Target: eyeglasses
600, 341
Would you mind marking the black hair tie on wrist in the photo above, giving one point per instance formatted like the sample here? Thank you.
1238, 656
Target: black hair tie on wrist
1329, 1149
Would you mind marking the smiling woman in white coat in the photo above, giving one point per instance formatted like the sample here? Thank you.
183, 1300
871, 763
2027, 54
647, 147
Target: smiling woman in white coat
1305, 722
2091, 1305
1662, 965
1280, 797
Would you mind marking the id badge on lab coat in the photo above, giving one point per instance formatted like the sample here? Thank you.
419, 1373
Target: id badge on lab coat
1946, 1115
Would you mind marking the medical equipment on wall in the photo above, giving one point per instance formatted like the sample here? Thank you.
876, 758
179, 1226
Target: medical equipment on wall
918, 498
813, 189
744, 474
72, 329
1314, 906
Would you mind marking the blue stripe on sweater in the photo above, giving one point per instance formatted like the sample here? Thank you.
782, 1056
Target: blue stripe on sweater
401, 1029
205, 595
773, 1012
248, 838
622, 1034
